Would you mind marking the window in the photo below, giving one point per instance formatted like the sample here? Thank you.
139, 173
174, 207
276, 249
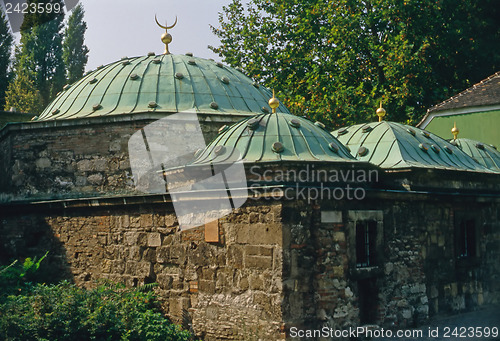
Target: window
366, 234
466, 238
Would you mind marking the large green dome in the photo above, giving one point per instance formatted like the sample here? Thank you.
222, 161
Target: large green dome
163, 84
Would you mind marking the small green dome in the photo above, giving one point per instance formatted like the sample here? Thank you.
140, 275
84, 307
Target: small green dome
162, 84
486, 155
274, 137
393, 145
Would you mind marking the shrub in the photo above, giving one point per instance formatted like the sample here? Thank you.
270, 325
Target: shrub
15, 276
66, 312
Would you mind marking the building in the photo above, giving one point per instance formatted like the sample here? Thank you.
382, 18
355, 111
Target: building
379, 224
476, 111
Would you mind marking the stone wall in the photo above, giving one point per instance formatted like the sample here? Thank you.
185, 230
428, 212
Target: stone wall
230, 289
417, 275
50, 160
273, 265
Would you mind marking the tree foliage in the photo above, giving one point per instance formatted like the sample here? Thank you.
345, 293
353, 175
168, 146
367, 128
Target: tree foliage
40, 52
74, 51
66, 312
6, 43
336, 60
23, 95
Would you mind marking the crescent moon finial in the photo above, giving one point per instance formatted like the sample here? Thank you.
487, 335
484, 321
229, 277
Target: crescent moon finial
156, 19
166, 38
175, 23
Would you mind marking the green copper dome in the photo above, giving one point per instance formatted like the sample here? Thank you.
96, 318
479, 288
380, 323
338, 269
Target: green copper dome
483, 153
162, 84
274, 137
392, 145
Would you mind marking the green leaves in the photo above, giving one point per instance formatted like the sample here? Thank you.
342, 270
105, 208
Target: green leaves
75, 53
23, 95
6, 43
43, 62
335, 60
66, 312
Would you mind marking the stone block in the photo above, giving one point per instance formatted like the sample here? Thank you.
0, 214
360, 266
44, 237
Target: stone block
177, 254
163, 254
259, 262
170, 220
158, 220
208, 274
206, 287
235, 256
338, 271
253, 250
149, 255
258, 233
124, 164
115, 145
454, 289
99, 165
106, 265
339, 237
125, 221
84, 165
254, 218
256, 282
164, 281
135, 238
80, 180
434, 292
134, 253
135, 221
441, 241
331, 216
178, 305
406, 314
146, 220
95, 179
244, 284
154, 239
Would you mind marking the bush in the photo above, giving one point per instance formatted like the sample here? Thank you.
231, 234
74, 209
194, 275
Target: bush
66, 312
15, 276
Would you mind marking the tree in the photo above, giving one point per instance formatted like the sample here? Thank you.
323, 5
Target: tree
336, 60
6, 42
40, 53
22, 95
74, 51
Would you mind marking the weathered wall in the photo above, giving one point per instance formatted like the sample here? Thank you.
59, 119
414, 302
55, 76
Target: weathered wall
73, 160
277, 264
229, 289
418, 273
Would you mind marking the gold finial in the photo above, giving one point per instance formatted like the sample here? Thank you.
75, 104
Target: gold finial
166, 38
380, 112
455, 130
274, 103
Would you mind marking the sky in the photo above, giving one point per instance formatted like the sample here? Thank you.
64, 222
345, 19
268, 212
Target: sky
119, 28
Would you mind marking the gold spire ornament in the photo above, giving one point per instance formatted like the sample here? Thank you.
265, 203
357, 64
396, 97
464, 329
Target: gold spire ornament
455, 130
380, 112
274, 103
166, 38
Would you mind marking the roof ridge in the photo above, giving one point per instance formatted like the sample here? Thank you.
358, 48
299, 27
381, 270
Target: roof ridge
464, 92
